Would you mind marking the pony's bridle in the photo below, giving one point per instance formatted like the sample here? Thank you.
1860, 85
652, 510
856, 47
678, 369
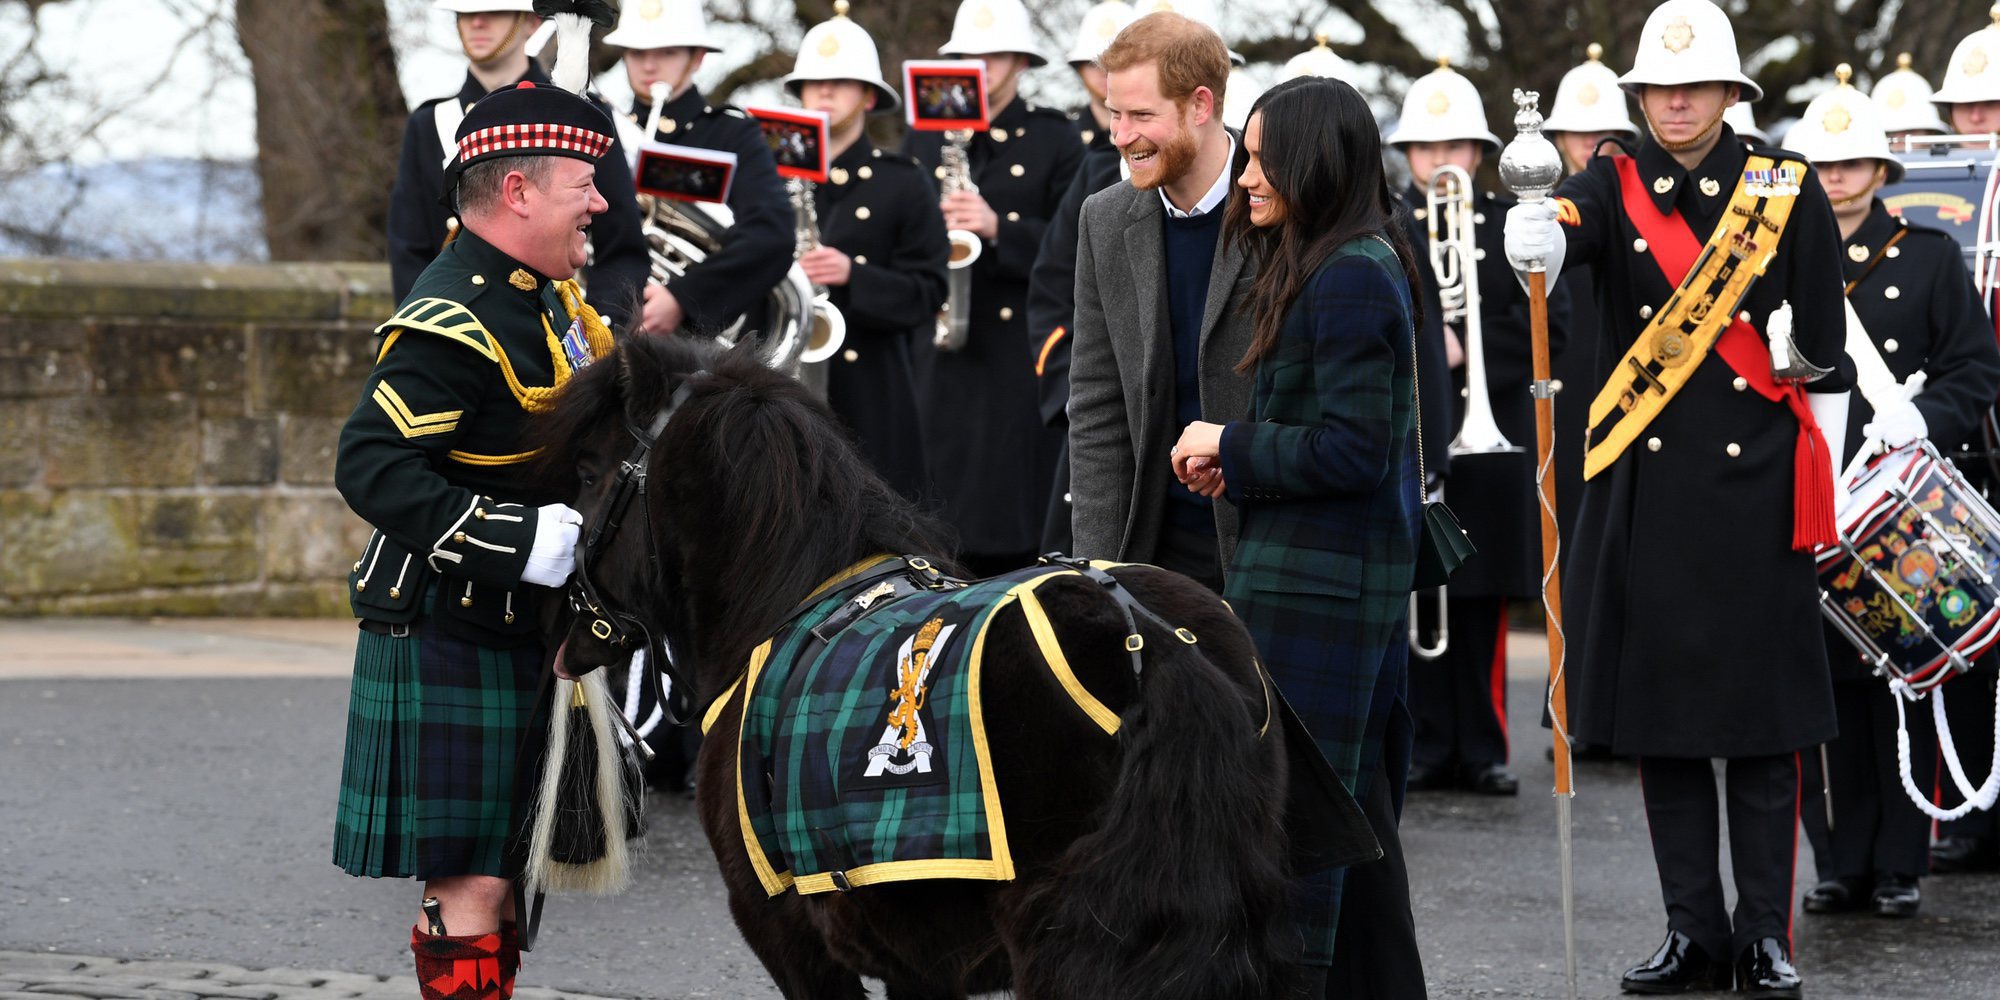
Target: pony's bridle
620, 628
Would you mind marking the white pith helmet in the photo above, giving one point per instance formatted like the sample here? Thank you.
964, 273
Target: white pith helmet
1744, 124
839, 49
991, 27
1199, 11
1905, 99
661, 24
1688, 41
1843, 124
1320, 60
1589, 100
1241, 93
1443, 105
1974, 71
1099, 26
485, 6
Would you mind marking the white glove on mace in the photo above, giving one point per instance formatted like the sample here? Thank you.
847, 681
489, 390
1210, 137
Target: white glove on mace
1533, 235
553, 556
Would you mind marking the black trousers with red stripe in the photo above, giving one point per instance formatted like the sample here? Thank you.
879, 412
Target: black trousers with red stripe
1681, 810
1459, 700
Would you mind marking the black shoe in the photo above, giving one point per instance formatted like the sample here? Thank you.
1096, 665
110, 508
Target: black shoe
1680, 966
1897, 896
1837, 895
1427, 778
1952, 855
1490, 779
1765, 970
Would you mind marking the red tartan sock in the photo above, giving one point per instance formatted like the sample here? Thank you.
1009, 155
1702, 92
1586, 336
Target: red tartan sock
457, 968
510, 958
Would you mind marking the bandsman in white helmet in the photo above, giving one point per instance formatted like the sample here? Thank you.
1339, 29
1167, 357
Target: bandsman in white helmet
665, 43
1740, 119
1052, 283
1910, 289
1457, 700
1704, 405
1905, 99
881, 253
1320, 60
494, 35
992, 458
1589, 108
1970, 99
1970, 93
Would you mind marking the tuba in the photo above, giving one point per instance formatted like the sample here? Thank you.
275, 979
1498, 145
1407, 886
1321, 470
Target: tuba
680, 235
827, 328
954, 319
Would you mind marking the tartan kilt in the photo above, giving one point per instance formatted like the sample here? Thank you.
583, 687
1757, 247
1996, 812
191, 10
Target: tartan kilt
437, 728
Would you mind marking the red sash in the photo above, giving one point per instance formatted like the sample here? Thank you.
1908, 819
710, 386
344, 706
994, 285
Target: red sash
1674, 248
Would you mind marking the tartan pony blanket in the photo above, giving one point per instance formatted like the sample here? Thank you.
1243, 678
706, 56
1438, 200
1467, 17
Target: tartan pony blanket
863, 755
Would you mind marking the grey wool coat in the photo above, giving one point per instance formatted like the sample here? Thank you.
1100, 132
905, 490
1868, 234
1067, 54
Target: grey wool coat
1121, 406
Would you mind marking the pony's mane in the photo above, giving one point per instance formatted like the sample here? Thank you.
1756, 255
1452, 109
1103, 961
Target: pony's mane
772, 495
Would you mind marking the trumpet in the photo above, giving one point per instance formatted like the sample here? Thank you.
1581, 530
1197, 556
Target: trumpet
827, 328
1449, 199
954, 319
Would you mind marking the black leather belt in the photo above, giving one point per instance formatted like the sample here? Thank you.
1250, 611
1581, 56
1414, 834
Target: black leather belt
384, 628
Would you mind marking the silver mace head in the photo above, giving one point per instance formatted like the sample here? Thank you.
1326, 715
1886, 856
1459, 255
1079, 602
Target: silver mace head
1530, 166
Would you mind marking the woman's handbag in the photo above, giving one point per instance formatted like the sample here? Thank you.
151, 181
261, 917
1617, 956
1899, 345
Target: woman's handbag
1441, 544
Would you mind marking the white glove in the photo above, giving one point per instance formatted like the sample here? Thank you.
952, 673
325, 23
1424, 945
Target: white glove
553, 555
1533, 234
1898, 425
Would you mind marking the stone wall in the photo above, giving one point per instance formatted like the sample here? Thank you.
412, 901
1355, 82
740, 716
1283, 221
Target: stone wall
167, 434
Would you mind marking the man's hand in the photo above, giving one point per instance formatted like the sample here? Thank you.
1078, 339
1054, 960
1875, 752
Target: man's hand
1533, 235
1898, 425
662, 312
553, 556
968, 211
827, 266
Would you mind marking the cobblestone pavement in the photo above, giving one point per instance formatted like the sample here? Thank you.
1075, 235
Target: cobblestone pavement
32, 975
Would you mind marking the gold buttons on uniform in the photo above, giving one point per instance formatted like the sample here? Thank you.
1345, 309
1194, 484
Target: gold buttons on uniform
850, 355
1017, 170
1013, 216
1734, 449
669, 126
1639, 245
999, 134
838, 175
357, 565
1019, 132
862, 213
1652, 444
1420, 214
465, 602
479, 279
1894, 252
1006, 313
508, 618
1741, 383
1744, 315
865, 172
861, 258
1889, 346
458, 536
1479, 218
1088, 135
359, 587
395, 592
939, 172
479, 513
1645, 312
1892, 292
1857, 253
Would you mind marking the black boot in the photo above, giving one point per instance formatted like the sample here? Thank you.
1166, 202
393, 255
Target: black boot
1680, 966
1765, 970
1897, 896
1837, 895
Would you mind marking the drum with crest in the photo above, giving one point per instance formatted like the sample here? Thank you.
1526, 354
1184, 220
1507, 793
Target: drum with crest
1912, 582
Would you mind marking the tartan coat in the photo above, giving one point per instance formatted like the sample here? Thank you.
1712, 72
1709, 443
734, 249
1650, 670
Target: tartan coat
1324, 473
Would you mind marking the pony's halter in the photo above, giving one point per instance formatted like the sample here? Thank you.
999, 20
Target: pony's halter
618, 627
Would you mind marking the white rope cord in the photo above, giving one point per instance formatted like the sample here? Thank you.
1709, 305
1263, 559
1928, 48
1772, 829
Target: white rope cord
1982, 797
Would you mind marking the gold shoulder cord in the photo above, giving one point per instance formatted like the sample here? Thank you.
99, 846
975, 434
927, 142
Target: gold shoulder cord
540, 399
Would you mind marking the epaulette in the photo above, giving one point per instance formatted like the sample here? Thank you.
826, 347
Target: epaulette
1917, 227
445, 318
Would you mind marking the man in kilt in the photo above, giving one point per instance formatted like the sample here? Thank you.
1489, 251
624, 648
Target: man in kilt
449, 663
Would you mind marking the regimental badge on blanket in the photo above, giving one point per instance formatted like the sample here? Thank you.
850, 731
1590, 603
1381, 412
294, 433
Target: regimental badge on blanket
902, 758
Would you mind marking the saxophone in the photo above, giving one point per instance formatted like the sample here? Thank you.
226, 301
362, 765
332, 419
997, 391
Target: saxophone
828, 328
954, 319
680, 235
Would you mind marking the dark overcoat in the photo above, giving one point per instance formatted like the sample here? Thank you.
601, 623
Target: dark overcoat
992, 457
1700, 627
878, 208
417, 213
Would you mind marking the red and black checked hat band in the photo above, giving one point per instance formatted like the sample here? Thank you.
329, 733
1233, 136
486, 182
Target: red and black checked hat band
531, 121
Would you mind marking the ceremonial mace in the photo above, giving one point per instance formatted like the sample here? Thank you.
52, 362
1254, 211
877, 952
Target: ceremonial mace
1530, 167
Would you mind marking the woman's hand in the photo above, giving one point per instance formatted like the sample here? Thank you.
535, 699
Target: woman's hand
1196, 458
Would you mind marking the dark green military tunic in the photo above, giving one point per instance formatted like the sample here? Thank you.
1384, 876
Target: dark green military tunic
449, 660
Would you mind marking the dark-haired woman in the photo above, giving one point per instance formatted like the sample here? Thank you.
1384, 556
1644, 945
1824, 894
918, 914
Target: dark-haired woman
1324, 468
